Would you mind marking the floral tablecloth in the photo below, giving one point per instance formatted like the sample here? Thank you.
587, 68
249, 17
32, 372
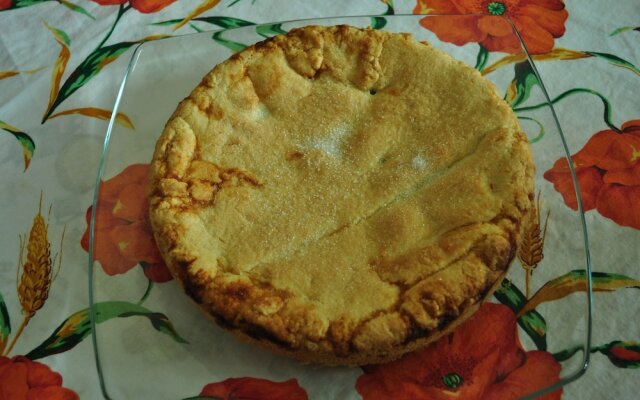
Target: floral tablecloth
59, 78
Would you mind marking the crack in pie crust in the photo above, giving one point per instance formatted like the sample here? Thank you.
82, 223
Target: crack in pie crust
340, 195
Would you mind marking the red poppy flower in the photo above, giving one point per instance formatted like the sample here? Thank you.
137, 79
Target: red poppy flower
483, 359
538, 21
144, 6
254, 389
23, 379
123, 237
4, 4
608, 171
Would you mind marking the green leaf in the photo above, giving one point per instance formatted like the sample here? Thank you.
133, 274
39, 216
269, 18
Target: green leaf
5, 324
559, 54
195, 28
509, 295
531, 322
621, 354
270, 30
76, 8
60, 64
520, 88
26, 3
576, 281
87, 69
66, 336
28, 146
606, 282
78, 326
222, 22
615, 60
378, 22
482, 58
390, 10
625, 29
536, 327
60, 35
233, 46
225, 22
167, 22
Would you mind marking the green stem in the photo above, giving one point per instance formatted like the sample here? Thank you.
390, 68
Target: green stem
24, 323
541, 131
146, 292
483, 57
237, 1
605, 102
123, 9
568, 353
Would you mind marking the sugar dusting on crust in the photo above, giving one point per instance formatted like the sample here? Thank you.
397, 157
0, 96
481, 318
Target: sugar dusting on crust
260, 112
419, 162
331, 142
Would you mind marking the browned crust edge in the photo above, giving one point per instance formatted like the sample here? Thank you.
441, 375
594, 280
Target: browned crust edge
359, 359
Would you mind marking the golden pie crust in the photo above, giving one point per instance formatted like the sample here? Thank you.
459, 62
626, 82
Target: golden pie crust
340, 195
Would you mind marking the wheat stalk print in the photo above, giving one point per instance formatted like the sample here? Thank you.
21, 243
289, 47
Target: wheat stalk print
530, 249
37, 271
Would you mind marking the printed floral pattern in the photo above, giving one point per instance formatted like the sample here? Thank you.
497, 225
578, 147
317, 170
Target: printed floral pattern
608, 171
123, 237
144, 6
23, 379
482, 359
254, 389
538, 21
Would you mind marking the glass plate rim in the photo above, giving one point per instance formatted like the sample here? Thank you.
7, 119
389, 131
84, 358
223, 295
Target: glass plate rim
581, 215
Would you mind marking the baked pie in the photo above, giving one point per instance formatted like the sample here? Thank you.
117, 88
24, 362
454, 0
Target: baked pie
341, 195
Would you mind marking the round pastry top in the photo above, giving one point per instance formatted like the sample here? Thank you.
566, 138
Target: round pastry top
341, 195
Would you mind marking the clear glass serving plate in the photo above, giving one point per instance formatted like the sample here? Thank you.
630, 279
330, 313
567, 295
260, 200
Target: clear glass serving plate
152, 341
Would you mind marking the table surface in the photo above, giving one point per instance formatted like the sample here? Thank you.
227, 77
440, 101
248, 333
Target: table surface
58, 82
